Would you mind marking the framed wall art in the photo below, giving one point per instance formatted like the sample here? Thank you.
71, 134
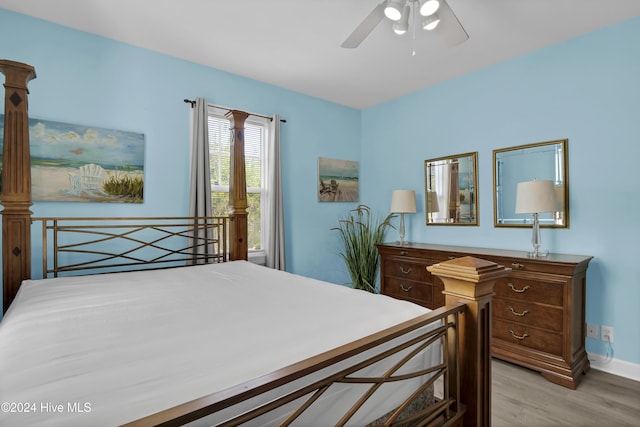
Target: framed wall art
337, 180
76, 163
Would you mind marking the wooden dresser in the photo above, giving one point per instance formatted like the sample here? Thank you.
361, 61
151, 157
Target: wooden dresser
538, 318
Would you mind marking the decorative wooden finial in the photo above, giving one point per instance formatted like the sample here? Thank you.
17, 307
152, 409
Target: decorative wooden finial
470, 280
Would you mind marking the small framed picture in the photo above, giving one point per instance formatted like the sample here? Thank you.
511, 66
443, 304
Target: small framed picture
337, 180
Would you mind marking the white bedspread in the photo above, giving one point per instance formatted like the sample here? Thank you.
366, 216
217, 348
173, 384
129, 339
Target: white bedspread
106, 349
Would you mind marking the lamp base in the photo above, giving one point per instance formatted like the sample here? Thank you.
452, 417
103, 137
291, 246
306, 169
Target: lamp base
402, 241
535, 240
537, 254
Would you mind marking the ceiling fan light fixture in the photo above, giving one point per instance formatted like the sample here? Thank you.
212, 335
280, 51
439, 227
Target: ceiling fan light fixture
393, 10
429, 7
431, 22
402, 11
402, 26
399, 29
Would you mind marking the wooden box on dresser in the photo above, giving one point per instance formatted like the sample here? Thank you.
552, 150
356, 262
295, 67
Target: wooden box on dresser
538, 318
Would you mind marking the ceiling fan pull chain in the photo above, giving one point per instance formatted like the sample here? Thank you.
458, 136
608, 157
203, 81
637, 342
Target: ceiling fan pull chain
413, 29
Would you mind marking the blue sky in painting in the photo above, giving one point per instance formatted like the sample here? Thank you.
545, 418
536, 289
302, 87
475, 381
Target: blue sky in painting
71, 145
338, 168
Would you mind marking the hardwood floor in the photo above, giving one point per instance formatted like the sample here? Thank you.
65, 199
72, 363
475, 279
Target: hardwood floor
522, 397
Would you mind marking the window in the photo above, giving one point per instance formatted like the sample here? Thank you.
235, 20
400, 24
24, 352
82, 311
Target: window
255, 137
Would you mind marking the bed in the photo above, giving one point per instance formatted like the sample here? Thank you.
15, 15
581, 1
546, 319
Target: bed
214, 339
212, 308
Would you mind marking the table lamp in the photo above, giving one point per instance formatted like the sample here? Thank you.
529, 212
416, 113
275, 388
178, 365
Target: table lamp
535, 197
402, 202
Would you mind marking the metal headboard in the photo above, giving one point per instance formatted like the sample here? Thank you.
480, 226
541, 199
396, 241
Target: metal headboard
93, 245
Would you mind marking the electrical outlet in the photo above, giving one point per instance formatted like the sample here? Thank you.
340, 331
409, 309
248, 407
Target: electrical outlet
606, 333
592, 331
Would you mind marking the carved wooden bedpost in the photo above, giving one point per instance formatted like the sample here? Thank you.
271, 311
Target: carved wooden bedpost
16, 180
238, 230
470, 280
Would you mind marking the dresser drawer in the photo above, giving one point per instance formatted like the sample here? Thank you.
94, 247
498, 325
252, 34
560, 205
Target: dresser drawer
403, 252
404, 289
406, 270
527, 336
447, 256
528, 313
530, 290
537, 266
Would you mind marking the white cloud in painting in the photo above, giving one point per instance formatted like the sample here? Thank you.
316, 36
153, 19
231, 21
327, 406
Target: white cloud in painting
71, 144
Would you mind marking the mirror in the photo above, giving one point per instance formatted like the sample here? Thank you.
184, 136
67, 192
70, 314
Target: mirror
450, 190
539, 161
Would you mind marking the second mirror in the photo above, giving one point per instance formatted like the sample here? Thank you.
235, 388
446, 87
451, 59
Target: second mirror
450, 190
538, 161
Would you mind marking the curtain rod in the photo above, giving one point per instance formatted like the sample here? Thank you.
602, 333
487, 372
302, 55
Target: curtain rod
193, 103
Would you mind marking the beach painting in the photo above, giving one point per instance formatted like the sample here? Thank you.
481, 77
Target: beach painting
76, 163
337, 180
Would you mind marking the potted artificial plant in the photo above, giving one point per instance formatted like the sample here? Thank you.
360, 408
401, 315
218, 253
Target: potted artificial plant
360, 231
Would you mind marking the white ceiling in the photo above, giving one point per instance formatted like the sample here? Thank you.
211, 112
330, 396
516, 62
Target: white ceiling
295, 44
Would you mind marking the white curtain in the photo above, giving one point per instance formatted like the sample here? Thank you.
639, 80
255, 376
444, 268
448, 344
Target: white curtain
274, 248
200, 194
443, 180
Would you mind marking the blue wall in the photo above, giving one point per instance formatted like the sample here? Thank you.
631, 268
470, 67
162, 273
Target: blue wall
90, 80
586, 90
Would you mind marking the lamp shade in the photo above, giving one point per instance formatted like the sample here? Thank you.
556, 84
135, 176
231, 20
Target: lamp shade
431, 22
403, 201
535, 197
429, 7
402, 25
432, 202
393, 10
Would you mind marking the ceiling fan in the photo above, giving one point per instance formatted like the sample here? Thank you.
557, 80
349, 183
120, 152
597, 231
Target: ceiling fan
433, 15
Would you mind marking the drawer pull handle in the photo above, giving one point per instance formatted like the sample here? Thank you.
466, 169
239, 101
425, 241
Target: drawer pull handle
517, 265
519, 337
403, 253
406, 289
517, 314
519, 291
405, 271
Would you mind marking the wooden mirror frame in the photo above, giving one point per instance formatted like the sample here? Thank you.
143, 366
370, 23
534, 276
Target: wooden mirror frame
557, 155
460, 201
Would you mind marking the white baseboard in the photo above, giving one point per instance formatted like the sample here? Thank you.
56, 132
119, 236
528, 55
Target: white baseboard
615, 366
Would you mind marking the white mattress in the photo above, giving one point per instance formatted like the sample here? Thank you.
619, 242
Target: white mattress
107, 349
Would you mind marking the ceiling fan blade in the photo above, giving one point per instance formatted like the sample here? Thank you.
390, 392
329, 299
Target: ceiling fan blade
450, 27
362, 31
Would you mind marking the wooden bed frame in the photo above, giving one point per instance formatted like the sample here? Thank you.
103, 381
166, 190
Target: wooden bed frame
464, 329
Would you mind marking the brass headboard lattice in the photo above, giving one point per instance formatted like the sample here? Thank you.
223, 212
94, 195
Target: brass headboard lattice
115, 244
